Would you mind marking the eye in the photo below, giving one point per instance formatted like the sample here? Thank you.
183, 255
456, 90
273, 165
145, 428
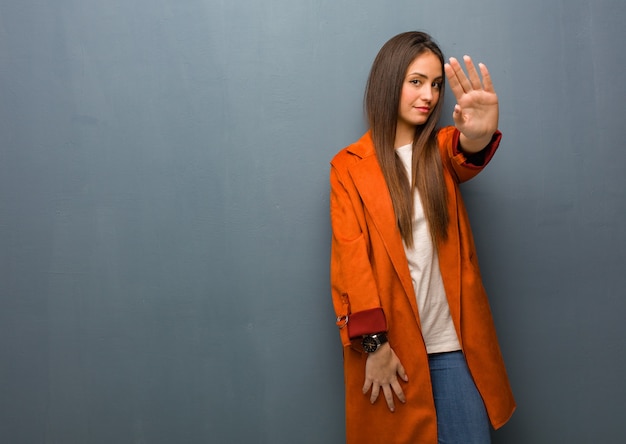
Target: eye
415, 82
437, 85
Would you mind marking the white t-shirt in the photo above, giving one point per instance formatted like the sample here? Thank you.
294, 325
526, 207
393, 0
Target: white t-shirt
432, 304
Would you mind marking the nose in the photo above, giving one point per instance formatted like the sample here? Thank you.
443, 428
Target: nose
427, 93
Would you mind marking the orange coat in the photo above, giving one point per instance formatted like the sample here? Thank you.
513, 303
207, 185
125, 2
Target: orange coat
369, 271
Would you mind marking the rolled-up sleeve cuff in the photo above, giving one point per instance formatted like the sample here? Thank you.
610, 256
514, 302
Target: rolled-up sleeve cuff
366, 322
475, 160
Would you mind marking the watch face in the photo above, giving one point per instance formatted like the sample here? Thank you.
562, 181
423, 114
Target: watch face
370, 344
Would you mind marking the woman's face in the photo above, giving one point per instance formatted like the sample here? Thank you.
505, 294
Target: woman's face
420, 92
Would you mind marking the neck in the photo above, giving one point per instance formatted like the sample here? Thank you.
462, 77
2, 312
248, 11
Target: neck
404, 135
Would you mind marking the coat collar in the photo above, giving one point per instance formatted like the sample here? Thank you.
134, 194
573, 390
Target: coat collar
364, 147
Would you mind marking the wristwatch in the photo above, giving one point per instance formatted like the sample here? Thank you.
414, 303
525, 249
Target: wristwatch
371, 343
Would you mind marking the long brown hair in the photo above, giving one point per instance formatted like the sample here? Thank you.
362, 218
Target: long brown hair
382, 98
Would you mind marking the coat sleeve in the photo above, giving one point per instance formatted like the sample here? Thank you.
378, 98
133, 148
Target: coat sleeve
465, 166
354, 290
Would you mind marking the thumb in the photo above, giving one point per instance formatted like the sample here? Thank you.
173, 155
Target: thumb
456, 114
402, 373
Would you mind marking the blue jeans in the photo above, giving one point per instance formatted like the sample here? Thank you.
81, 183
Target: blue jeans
461, 414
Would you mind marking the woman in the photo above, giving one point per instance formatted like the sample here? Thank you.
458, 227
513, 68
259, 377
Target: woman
413, 314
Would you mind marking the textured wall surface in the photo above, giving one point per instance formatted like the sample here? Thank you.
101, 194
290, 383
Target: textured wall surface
164, 231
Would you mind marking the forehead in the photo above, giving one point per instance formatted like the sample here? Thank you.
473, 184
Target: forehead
426, 64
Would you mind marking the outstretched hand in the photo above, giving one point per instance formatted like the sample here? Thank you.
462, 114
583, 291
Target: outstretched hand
476, 112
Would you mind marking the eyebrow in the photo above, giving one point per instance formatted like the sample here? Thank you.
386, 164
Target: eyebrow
424, 76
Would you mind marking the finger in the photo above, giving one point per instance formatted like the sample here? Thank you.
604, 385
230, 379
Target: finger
387, 392
453, 81
486, 78
457, 115
375, 393
367, 385
397, 389
460, 75
402, 372
474, 78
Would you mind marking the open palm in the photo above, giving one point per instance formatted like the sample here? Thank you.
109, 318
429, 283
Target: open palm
476, 112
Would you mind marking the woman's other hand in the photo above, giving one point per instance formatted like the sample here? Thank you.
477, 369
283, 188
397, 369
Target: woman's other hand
381, 372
